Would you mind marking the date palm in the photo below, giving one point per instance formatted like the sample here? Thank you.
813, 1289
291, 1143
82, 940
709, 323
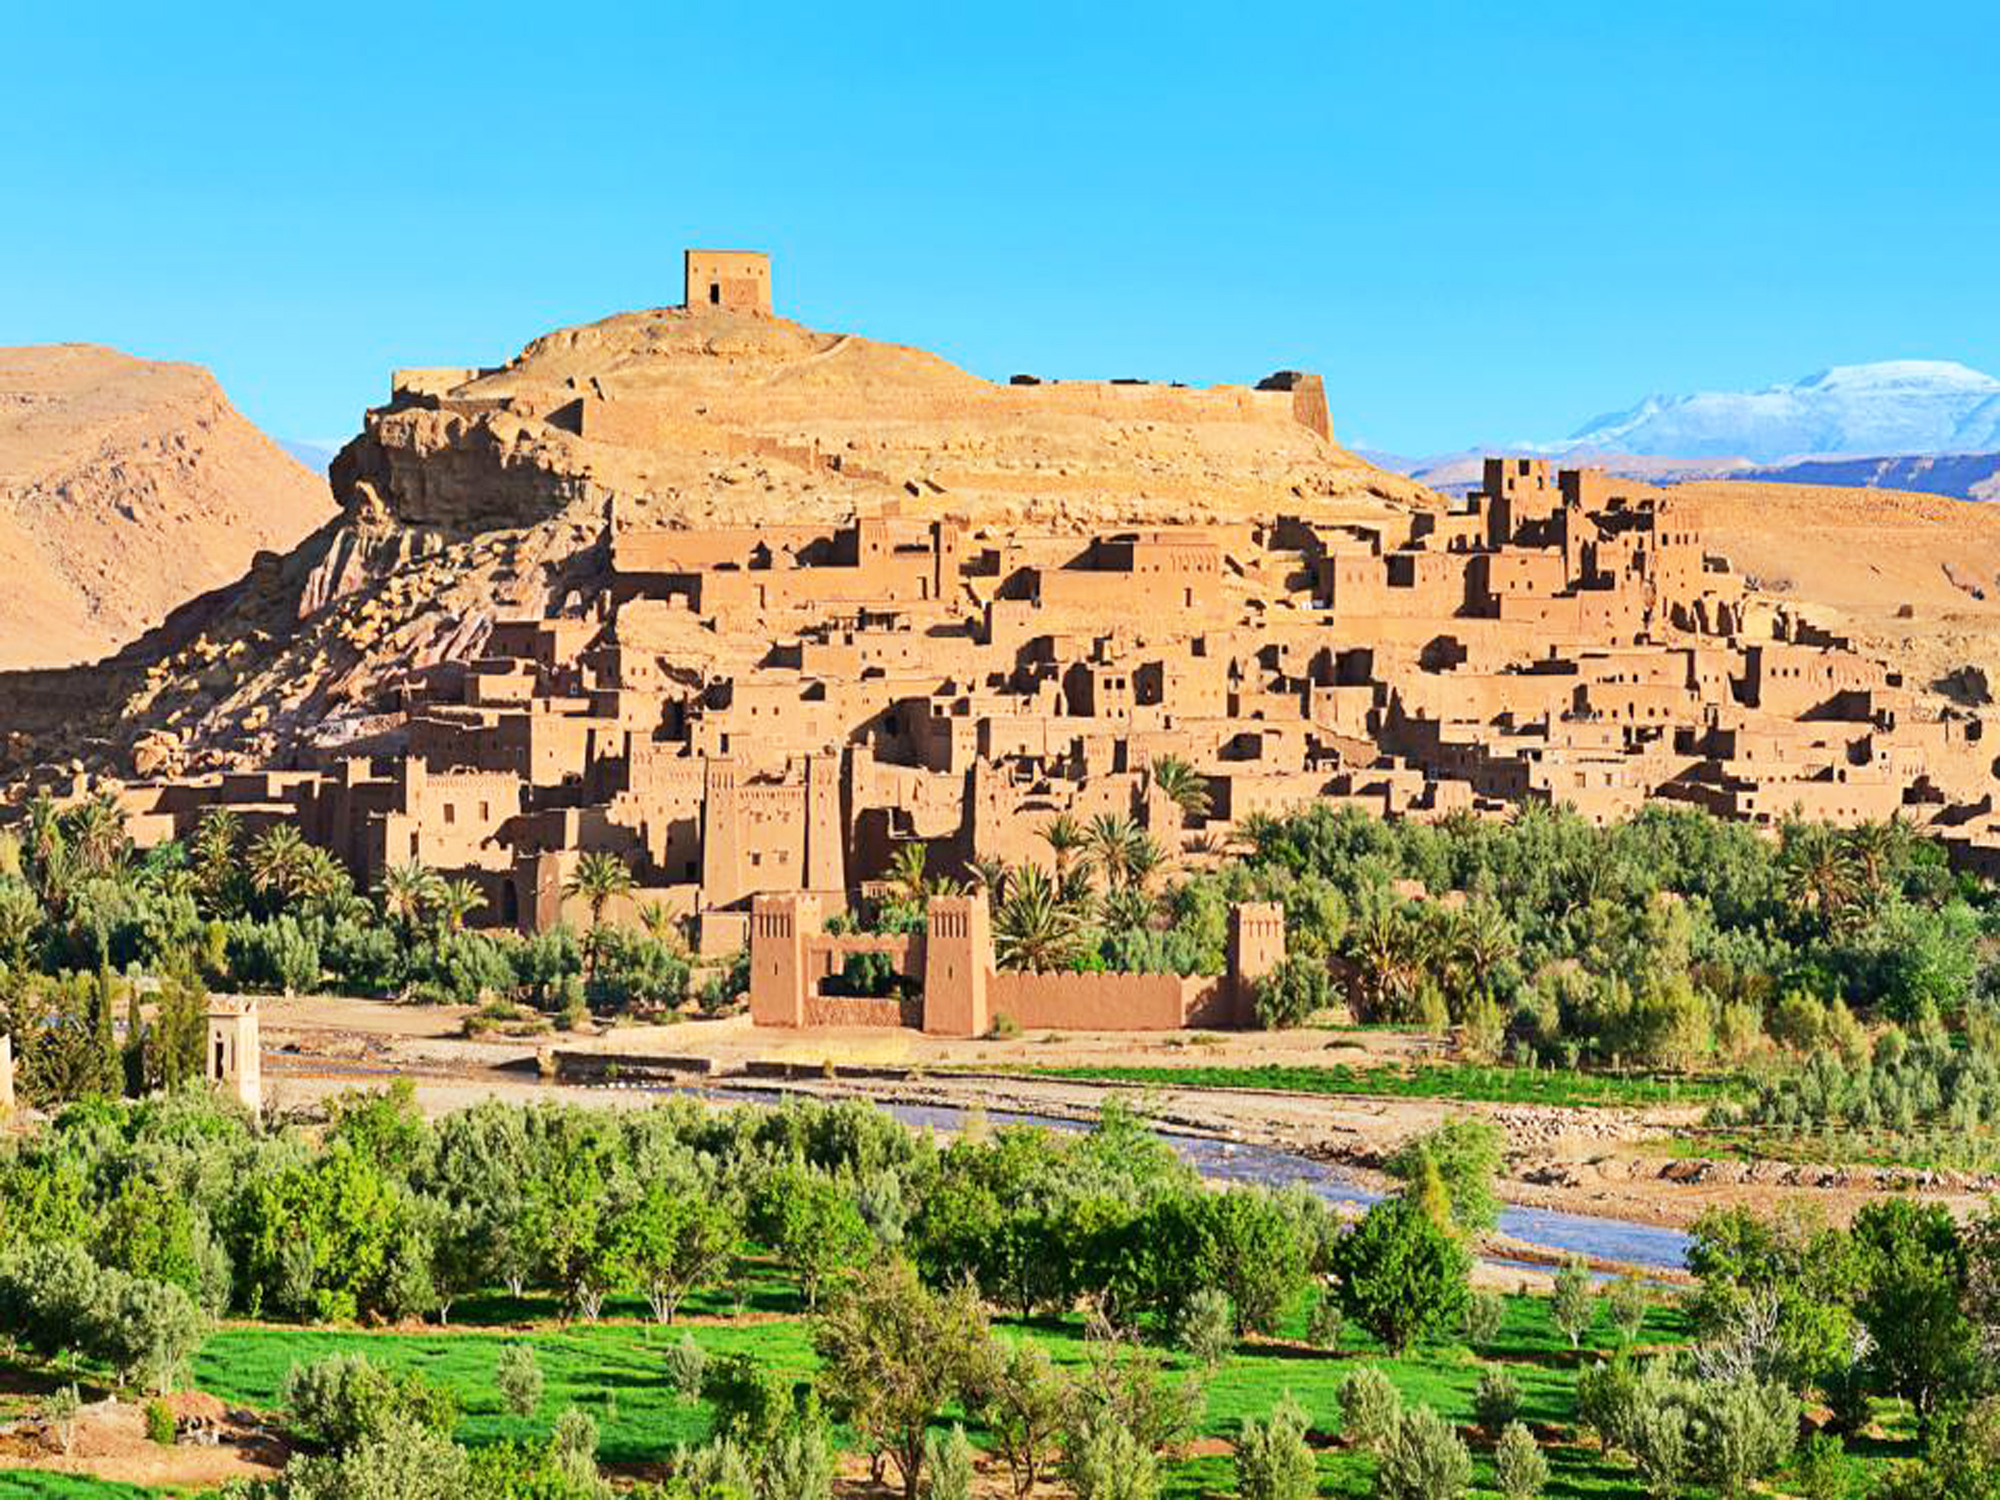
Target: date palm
1066, 839
906, 872
408, 892
277, 861
990, 876
1878, 848
1187, 787
457, 900
1384, 949
1112, 838
1033, 930
662, 926
97, 833
1819, 872
217, 874
599, 879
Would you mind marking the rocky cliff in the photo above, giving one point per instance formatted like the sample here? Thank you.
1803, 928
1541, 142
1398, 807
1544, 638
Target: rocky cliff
127, 486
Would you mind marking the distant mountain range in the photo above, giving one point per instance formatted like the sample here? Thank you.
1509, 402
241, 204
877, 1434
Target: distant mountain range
1897, 406
1913, 424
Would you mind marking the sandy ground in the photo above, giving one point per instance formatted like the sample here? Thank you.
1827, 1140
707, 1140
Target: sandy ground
1608, 1162
110, 1442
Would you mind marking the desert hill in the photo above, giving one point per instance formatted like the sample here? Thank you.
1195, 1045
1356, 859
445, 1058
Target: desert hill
126, 486
475, 495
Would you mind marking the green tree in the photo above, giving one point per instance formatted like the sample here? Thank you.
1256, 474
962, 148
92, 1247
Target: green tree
1572, 1304
1401, 1276
897, 1354
1467, 1151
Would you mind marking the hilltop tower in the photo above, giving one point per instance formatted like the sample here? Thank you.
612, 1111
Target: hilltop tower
739, 279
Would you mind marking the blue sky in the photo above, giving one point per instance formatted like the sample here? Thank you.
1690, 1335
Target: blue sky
1479, 221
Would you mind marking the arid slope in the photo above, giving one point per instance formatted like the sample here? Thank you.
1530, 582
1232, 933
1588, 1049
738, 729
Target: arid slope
126, 487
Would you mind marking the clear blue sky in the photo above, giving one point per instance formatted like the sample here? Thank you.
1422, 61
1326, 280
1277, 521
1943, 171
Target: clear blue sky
1480, 221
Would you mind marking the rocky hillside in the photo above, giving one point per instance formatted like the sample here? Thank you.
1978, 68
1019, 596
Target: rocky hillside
476, 496
126, 487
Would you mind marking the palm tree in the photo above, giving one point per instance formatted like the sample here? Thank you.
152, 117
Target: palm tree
1187, 787
214, 851
906, 872
1878, 848
1077, 895
990, 876
599, 878
662, 926
457, 900
1065, 838
97, 833
408, 892
1383, 947
1819, 872
1128, 909
323, 884
1033, 929
277, 861
1112, 837
1143, 859
1256, 831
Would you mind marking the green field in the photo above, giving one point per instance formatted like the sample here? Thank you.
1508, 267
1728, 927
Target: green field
1494, 1085
614, 1370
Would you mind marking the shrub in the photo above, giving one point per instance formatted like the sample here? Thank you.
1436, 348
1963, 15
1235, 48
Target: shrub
1628, 1304
1326, 1322
1106, 1462
686, 1365
1208, 1327
1519, 1467
1273, 1461
948, 1460
1370, 1407
1746, 1429
751, 1399
518, 1377
1466, 1151
1825, 1470
1484, 1313
1498, 1399
717, 1467
800, 1463
160, 1425
1607, 1398
1423, 1460
343, 1400
404, 1461
1291, 992
59, 1410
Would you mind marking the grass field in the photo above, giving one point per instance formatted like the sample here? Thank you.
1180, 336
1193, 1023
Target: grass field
1494, 1085
615, 1370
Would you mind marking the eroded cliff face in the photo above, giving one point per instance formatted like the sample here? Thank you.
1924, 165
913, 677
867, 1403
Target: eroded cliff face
127, 486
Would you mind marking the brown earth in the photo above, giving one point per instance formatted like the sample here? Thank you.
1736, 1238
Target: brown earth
1913, 577
127, 486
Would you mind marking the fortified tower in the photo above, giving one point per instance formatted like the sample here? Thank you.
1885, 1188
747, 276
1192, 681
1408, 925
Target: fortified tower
1256, 947
729, 278
958, 960
235, 1051
779, 926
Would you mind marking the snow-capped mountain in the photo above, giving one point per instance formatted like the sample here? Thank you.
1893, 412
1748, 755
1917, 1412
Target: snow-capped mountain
1892, 407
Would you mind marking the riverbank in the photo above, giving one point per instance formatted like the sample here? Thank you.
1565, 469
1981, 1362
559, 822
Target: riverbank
1603, 1162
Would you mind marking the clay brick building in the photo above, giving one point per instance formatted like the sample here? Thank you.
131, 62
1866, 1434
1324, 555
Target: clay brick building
757, 718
